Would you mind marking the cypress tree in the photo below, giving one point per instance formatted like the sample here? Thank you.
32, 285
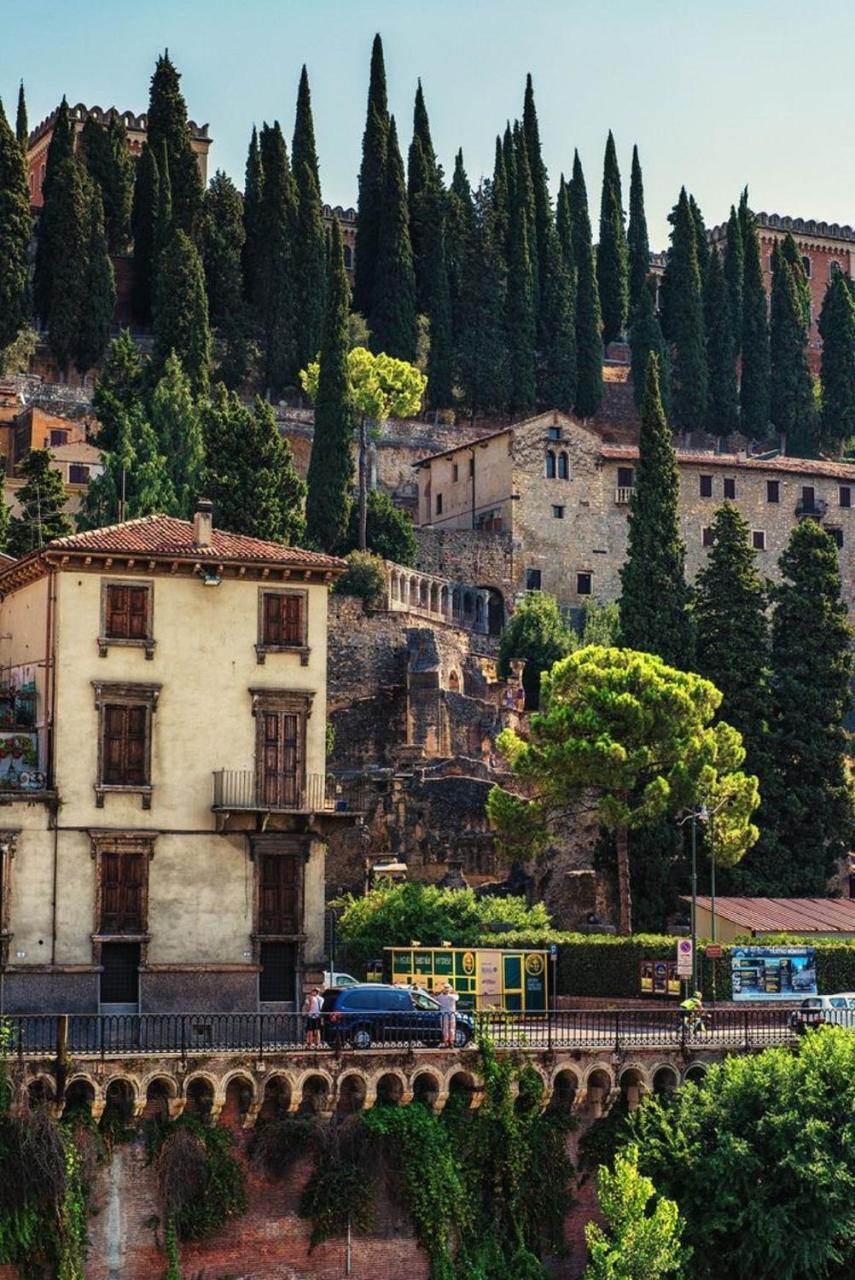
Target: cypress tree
686, 318
42, 500
837, 373
564, 227
310, 246
556, 375
68, 226
177, 425
654, 613
790, 384
703, 244
48, 249
522, 330
222, 242
393, 316
121, 385
484, 360
168, 127
330, 477
15, 230
144, 213
645, 339
734, 268
372, 187
22, 132
422, 175
809, 805
540, 251
589, 334
164, 220
276, 268
250, 471
428, 211
500, 196
458, 230
181, 312
135, 481
638, 244
253, 186
754, 383
612, 252
723, 397
791, 255
98, 292
104, 151
733, 635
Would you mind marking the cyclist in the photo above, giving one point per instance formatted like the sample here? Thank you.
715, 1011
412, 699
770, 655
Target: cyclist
692, 1010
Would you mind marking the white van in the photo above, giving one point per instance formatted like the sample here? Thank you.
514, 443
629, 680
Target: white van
332, 979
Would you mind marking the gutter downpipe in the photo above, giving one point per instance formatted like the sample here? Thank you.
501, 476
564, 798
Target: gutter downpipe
51, 702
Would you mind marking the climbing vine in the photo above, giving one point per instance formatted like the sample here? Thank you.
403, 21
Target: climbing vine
201, 1184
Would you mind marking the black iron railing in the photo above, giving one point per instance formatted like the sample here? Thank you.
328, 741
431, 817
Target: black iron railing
735, 1029
237, 790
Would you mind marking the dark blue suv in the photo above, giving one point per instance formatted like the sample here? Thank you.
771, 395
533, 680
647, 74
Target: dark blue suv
374, 1013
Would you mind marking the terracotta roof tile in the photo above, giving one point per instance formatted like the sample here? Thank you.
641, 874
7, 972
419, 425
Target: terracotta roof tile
787, 915
168, 536
794, 466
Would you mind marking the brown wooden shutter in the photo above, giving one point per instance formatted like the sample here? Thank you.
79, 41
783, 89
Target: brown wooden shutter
117, 612
272, 619
135, 749
125, 761
121, 892
293, 628
137, 613
278, 897
291, 758
115, 731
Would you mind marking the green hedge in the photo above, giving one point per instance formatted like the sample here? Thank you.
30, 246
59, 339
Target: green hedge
607, 966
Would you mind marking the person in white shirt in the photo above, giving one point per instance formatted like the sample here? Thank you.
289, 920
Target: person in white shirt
312, 1010
447, 1001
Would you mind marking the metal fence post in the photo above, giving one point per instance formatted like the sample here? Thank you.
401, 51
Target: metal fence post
747, 1028
617, 1031
549, 1013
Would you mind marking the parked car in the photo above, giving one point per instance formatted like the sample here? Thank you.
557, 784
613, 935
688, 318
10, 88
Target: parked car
376, 1013
817, 1011
333, 979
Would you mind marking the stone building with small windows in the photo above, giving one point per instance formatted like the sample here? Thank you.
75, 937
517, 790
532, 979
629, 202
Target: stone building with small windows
165, 809
554, 493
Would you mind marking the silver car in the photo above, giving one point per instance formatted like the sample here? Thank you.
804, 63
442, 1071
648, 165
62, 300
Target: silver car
819, 1011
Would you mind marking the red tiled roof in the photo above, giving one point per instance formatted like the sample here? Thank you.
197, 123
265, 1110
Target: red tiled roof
787, 915
795, 466
168, 536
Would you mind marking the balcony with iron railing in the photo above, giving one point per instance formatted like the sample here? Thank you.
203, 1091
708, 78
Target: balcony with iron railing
811, 508
246, 791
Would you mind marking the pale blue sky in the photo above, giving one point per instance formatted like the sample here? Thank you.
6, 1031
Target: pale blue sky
715, 94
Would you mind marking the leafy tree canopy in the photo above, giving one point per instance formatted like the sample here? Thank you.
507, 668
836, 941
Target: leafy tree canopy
535, 634
643, 1238
389, 530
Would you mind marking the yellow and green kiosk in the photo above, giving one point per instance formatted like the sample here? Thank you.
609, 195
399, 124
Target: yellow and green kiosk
483, 977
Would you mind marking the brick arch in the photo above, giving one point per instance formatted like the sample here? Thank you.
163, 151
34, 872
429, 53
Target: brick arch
238, 1073
599, 1068
392, 1073
695, 1070
427, 1087
159, 1077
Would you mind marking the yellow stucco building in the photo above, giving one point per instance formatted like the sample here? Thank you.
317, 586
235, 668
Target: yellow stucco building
162, 770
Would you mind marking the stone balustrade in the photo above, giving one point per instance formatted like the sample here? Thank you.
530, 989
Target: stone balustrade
439, 599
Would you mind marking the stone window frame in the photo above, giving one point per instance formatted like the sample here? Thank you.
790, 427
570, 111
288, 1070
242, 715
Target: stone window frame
101, 842
261, 648
293, 701
758, 540
147, 642
108, 693
8, 848
589, 575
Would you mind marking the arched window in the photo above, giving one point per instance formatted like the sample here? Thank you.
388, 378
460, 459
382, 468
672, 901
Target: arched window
563, 466
348, 258
833, 270
550, 465
806, 265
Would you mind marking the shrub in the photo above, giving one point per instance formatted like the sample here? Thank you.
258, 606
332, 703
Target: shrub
365, 578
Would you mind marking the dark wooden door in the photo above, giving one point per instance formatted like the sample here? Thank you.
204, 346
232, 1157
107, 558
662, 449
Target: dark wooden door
278, 894
281, 773
120, 976
121, 892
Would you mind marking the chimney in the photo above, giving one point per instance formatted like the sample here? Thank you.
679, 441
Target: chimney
203, 523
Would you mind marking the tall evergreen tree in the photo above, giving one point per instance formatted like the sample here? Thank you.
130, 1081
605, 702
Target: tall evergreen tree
500, 196
837, 330
310, 245
564, 227
168, 126
428, 211
686, 318
539, 248
276, 268
330, 477
42, 500
791, 255
68, 222
253, 186
15, 230
22, 132
144, 214
164, 221
612, 251
522, 318
645, 339
135, 481
808, 808
222, 242
422, 179
250, 470
181, 312
393, 314
459, 226
49, 248
638, 244
589, 330
754, 382
104, 150
790, 383
734, 269
723, 397
703, 244
372, 186
121, 385
654, 612
176, 422
483, 343
98, 290
556, 374
733, 636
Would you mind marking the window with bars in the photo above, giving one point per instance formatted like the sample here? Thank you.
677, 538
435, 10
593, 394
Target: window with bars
126, 616
283, 622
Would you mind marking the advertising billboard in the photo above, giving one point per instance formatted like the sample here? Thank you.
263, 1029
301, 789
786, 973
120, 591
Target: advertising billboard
773, 973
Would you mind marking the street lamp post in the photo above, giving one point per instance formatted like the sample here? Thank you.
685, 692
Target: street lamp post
694, 901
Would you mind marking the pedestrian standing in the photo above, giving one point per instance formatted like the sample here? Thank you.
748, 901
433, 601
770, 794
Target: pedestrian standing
447, 1001
312, 1012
